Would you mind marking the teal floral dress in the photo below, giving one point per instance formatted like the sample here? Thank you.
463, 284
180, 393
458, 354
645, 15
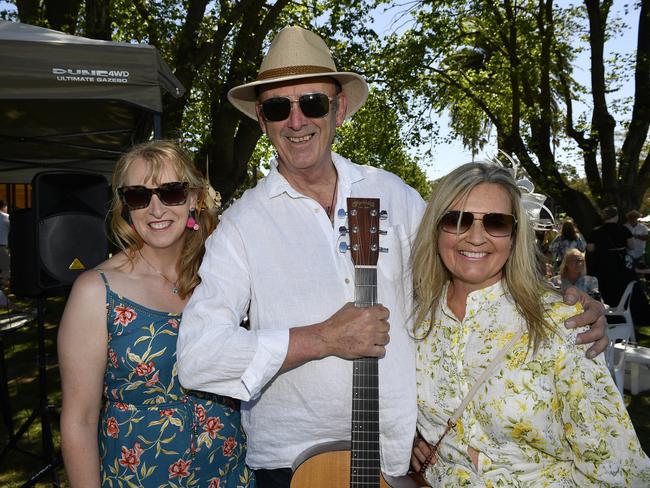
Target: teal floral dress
152, 433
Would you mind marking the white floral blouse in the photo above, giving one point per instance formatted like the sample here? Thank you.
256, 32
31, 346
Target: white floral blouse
552, 420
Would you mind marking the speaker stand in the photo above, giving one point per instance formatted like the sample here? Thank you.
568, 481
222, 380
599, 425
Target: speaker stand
42, 411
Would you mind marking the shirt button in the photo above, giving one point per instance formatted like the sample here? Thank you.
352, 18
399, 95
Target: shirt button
347, 280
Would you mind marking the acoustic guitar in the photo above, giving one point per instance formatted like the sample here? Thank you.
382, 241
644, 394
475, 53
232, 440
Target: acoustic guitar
355, 464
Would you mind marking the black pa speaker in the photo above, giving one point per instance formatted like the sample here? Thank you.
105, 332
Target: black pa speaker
62, 235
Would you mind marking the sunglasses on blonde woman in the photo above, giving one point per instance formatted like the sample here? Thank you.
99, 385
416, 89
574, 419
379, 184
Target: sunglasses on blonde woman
495, 224
138, 196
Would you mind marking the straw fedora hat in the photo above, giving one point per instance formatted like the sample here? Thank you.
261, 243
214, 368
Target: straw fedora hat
296, 54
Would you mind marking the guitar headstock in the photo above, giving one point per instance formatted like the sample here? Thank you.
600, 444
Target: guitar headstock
363, 228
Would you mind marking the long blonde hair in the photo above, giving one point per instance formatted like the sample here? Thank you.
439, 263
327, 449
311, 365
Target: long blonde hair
521, 274
564, 266
156, 154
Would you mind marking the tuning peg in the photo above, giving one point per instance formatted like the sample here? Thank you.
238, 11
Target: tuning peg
374, 230
375, 247
343, 230
383, 215
343, 247
341, 214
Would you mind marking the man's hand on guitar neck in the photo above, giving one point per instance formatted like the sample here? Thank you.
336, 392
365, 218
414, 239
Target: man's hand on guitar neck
354, 332
350, 333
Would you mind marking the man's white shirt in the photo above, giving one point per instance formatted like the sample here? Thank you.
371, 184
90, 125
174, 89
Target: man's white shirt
275, 257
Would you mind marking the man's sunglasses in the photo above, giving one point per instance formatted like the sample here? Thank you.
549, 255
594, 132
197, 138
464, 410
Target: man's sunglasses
495, 224
313, 105
170, 194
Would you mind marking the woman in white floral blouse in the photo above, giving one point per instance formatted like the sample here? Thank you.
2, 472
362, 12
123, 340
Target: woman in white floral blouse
547, 415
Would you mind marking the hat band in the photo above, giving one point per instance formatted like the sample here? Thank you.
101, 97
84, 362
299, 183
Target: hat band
293, 70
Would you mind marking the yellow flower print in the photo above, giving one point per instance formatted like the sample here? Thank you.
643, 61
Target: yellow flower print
524, 431
568, 429
576, 391
460, 430
560, 362
516, 358
523, 406
462, 475
555, 404
521, 429
598, 454
511, 386
602, 409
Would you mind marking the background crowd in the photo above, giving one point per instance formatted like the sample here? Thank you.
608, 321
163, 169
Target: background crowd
603, 262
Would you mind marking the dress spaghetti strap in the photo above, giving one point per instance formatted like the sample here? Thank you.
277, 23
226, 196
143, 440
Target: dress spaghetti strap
106, 285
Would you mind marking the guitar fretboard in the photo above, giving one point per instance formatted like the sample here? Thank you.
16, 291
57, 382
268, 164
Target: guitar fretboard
365, 467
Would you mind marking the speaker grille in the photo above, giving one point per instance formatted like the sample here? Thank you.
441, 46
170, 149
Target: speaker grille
67, 237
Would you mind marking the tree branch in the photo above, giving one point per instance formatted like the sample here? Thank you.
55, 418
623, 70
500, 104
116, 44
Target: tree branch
638, 128
602, 122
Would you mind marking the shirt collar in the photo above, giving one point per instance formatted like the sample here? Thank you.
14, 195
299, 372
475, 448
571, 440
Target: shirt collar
275, 184
476, 299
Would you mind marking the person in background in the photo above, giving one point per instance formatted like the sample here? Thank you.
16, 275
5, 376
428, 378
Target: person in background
275, 258
573, 272
5, 261
568, 238
542, 413
609, 244
125, 418
640, 237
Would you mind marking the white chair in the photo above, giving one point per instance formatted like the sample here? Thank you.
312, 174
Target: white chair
619, 328
620, 315
615, 359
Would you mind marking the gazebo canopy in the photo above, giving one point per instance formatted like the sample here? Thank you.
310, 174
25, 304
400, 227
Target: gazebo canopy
67, 102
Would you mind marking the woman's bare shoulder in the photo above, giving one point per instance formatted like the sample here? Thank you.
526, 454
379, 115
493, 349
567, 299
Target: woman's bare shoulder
116, 267
119, 262
90, 283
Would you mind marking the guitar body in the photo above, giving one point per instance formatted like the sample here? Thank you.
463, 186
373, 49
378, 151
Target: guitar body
327, 469
327, 465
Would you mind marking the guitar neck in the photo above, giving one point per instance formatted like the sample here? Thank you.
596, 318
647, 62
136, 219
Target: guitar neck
365, 466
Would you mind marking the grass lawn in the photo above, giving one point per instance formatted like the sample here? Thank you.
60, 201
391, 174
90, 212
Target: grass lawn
20, 348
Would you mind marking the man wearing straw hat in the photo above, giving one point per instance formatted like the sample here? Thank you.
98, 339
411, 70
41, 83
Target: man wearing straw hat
274, 257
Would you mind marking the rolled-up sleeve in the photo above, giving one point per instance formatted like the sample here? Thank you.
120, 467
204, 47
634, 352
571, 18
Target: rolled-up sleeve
214, 353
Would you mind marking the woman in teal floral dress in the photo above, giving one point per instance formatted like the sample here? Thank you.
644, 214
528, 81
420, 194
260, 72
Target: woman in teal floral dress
126, 421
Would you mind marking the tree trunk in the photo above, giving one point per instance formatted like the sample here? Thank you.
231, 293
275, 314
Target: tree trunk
234, 136
602, 122
30, 11
62, 15
98, 19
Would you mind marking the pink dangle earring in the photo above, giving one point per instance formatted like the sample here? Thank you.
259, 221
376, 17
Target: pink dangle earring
191, 221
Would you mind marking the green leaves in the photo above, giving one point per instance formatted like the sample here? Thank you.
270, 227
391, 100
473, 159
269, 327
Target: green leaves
374, 137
